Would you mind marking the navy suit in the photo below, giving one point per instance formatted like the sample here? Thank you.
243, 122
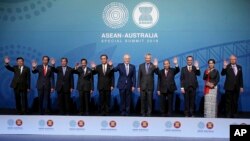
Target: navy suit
44, 85
125, 84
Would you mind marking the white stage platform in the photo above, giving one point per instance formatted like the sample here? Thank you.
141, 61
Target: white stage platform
119, 126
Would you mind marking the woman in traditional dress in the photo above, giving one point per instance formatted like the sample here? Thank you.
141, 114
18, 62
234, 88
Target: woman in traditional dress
211, 77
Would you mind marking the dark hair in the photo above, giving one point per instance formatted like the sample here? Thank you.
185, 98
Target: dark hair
211, 60
189, 56
46, 57
19, 58
83, 59
64, 58
104, 55
166, 60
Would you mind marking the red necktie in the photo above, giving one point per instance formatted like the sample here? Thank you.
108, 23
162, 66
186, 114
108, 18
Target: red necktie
44, 70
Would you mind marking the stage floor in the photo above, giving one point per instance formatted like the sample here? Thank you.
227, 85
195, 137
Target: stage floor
100, 138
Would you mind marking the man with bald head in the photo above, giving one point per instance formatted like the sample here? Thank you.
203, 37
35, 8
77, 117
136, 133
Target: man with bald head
126, 83
233, 85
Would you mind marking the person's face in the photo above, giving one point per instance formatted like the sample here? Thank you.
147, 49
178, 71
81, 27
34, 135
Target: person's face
147, 58
126, 59
210, 64
233, 60
190, 61
45, 61
20, 62
84, 63
64, 62
166, 65
104, 60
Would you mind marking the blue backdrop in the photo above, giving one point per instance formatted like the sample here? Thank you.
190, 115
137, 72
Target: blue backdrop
76, 29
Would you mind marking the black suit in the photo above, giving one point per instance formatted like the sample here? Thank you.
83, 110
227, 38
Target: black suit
232, 86
104, 84
20, 83
44, 85
64, 83
146, 85
85, 84
189, 83
166, 86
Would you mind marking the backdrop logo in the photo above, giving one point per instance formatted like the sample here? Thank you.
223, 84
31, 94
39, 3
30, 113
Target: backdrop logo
115, 15
19, 122
145, 15
177, 124
50, 123
144, 124
112, 124
210, 125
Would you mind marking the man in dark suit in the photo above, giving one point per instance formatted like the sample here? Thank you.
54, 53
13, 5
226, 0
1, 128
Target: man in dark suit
189, 84
167, 86
64, 84
45, 84
85, 85
233, 85
105, 82
146, 84
126, 83
20, 83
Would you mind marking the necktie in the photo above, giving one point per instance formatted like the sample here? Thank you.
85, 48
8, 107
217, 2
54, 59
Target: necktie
235, 69
20, 70
147, 66
64, 70
44, 70
104, 69
84, 71
127, 69
189, 68
166, 73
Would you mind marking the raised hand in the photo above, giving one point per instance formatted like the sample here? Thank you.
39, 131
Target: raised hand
34, 63
77, 65
93, 65
196, 64
52, 61
175, 60
110, 62
225, 64
6, 60
155, 62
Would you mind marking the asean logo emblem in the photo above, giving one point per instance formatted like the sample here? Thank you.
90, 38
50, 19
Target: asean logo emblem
50, 123
144, 124
115, 15
19, 122
210, 125
81, 123
112, 124
177, 124
145, 15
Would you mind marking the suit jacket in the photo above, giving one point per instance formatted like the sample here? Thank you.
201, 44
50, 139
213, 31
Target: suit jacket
214, 76
105, 81
189, 79
85, 80
124, 80
146, 80
47, 81
64, 82
167, 83
21, 80
232, 81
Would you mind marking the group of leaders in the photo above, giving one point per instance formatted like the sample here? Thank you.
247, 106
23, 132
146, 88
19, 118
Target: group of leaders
127, 83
